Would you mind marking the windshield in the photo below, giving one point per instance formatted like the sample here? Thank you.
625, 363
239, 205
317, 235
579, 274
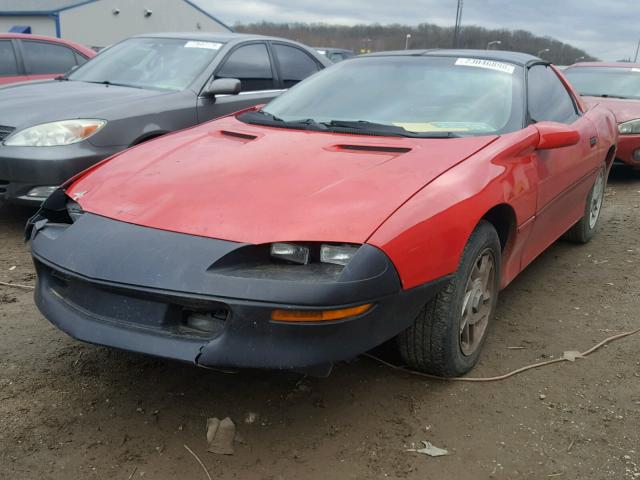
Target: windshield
154, 63
420, 95
605, 81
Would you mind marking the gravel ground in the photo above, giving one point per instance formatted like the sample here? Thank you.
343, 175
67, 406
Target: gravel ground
70, 410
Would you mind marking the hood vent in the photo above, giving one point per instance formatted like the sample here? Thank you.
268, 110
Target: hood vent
238, 135
374, 149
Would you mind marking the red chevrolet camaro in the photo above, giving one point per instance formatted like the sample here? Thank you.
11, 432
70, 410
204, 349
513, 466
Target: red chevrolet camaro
617, 87
390, 196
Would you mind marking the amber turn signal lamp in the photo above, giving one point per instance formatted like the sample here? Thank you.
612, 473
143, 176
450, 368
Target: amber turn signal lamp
89, 130
319, 315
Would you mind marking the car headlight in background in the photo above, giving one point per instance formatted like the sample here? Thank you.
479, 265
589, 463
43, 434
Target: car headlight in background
54, 134
41, 192
325, 253
629, 128
74, 210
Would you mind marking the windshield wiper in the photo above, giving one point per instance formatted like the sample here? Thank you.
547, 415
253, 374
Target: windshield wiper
603, 95
265, 114
109, 83
261, 117
384, 129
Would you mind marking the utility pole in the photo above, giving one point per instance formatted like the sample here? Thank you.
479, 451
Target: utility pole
637, 51
458, 26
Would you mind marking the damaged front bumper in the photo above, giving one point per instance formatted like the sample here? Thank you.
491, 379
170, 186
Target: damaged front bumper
136, 288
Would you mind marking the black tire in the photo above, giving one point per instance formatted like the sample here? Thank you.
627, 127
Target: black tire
433, 343
583, 231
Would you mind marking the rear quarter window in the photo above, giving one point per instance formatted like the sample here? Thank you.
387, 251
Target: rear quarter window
295, 64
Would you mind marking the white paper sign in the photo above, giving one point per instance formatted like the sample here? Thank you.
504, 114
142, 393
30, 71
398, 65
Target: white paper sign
207, 45
490, 64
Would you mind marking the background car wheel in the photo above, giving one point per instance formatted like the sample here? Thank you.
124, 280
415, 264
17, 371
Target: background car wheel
583, 231
448, 333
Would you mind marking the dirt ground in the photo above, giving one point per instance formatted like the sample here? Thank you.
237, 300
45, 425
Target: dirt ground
75, 411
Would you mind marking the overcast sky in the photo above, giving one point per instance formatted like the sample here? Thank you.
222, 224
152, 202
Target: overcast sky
608, 29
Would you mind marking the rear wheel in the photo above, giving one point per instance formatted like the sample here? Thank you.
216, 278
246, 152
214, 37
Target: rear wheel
448, 333
583, 231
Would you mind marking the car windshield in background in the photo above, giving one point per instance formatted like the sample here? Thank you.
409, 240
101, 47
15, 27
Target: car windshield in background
612, 82
153, 63
417, 96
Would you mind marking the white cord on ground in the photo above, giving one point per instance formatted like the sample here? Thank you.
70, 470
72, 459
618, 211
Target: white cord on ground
506, 375
17, 285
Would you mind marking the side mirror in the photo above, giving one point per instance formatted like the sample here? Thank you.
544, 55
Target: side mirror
556, 135
223, 86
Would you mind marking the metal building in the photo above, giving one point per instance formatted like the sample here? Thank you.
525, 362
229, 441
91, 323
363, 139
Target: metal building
99, 23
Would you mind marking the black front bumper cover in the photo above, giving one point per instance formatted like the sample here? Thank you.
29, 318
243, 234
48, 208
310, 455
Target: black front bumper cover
130, 287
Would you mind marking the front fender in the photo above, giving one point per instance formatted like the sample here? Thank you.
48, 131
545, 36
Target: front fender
425, 237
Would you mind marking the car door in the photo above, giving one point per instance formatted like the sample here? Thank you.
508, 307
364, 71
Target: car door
46, 60
252, 64
565, 175
10, 67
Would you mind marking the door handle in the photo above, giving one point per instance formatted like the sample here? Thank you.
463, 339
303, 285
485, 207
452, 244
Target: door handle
593, 141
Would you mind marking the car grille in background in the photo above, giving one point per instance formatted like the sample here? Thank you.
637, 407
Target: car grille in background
5, 132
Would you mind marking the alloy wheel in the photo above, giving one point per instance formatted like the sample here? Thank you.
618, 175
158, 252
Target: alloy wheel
477, 302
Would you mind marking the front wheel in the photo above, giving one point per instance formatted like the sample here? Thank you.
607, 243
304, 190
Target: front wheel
447, 335
583, 231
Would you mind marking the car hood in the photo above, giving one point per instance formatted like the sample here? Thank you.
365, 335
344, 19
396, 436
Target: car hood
238, 182
28, 104
623, 109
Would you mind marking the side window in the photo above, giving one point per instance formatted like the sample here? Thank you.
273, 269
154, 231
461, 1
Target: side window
251, 65
44, 58
549, 100
295, 65
8, 63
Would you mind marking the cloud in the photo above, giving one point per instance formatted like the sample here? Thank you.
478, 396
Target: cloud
605, 28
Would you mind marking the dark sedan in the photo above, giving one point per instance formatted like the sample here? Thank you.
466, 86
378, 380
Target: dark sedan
134, 91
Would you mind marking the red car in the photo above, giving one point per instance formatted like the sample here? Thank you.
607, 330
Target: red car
391, 195
33, 57
616, 86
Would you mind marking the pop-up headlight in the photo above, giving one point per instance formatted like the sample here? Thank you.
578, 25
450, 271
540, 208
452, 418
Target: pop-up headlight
290, 252
337, 254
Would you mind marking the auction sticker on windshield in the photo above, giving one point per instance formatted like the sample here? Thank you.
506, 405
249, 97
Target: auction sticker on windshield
490, 64
207, 45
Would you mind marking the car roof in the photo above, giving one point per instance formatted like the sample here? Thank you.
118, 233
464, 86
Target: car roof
517, 58
27, 36
221, 37
334, 49
606, 64
33, 37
